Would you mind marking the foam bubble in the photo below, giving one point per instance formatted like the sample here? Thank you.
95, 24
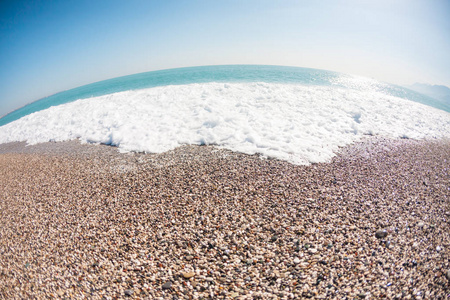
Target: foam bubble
297, 123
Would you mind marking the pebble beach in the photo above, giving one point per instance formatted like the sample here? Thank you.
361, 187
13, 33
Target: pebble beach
81, 221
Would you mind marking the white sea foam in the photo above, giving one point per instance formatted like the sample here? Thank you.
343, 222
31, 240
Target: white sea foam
297, 123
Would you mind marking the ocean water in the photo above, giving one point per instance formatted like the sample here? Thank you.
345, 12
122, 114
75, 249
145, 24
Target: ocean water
227, 73
296, 114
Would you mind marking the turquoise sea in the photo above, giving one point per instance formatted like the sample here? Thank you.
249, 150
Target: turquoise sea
226, 73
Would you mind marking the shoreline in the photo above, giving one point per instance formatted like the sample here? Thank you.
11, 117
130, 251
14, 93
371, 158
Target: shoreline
85, 221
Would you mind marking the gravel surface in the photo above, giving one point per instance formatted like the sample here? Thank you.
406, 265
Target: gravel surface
84, 221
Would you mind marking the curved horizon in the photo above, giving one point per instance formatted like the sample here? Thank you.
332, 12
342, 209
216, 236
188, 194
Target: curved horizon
53, 47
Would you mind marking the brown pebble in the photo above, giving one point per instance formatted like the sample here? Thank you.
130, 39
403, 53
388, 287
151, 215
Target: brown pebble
188, 275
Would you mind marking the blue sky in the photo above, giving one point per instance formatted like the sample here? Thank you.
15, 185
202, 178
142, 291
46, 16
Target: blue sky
49, 46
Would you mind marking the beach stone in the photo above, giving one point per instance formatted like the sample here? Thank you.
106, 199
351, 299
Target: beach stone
420, 224
133, 256
167, 285
438, 248
188, 275
380, 234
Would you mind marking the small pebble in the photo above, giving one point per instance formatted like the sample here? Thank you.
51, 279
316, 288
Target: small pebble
312, 250
128, 293
188, 275
380, 234
167, 285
